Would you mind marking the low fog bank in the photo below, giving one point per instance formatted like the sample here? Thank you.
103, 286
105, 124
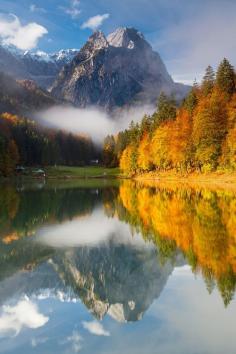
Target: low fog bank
91, 121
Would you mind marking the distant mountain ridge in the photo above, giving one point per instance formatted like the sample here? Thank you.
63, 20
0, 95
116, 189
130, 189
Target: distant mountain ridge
22, 96
120, 70
39, 66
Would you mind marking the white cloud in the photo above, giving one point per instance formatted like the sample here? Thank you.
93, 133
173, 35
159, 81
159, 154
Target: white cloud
91, 231
94, 22
96, 328
182, 271
35, 8
193, 318
12, 32
24, 314
75, 339
73, 10
37, 341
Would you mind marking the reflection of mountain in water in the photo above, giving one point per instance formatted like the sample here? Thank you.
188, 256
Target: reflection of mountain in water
119, 280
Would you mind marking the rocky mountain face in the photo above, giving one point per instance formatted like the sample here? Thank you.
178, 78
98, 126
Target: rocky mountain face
120, 70
40, 66
116, 71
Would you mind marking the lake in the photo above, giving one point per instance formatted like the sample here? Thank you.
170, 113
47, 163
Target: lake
102, 266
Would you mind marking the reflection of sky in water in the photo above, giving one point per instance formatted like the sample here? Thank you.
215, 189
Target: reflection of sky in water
146, 306
90, 230
185, 319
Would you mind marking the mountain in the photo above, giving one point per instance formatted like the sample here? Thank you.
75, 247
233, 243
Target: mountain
21, 96
11, 63
43, 68
40, 66
116, 71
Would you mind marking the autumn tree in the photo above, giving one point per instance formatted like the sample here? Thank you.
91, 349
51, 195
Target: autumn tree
144, 157
228, 156
209, 128
160, 146
127, 160
180, 144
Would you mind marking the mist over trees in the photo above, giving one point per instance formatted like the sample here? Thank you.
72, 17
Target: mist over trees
199, 135
23, 141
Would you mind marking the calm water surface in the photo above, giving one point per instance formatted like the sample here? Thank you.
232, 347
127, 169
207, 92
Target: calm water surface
108, 267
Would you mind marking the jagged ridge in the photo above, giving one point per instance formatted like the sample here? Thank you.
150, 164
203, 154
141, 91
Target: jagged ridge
119, 70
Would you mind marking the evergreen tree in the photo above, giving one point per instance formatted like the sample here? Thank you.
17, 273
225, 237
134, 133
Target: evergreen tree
208, 81
191, 101
108, 154
166, 109
121, 143
225, 77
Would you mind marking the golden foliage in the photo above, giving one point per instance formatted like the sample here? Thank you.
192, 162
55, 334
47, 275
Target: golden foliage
144, 153
200, 222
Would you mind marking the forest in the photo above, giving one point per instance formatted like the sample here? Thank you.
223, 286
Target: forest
25, 142
195, 221
197, 135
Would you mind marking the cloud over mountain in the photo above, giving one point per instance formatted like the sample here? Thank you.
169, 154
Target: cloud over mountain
24, 37
95, 22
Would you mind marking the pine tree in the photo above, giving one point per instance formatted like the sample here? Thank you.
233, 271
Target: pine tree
166, 109
108, 154
208, 81
191, 101
225, 77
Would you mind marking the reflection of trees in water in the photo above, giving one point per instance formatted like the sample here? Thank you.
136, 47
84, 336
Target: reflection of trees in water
21, 212
199, 222
121, 280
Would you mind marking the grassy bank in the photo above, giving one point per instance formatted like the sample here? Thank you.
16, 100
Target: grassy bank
67, 172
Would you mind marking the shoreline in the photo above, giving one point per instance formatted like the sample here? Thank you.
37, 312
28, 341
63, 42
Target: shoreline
210, 180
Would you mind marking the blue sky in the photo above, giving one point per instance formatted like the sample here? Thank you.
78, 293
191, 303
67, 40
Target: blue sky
188, 34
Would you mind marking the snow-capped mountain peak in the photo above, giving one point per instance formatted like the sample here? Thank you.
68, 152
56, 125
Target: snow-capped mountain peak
64, 55
39, 55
